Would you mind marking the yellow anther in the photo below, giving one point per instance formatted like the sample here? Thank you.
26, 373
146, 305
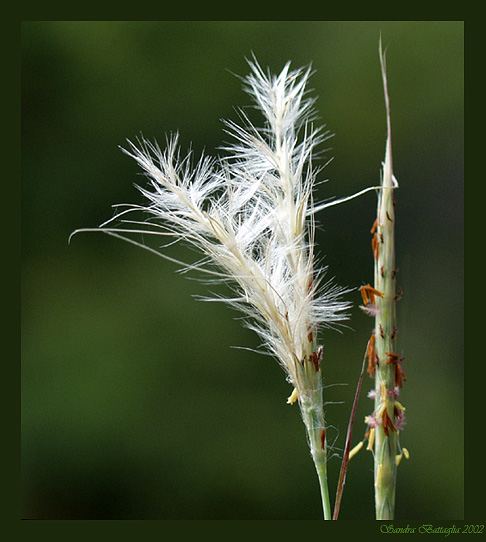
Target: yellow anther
383, 390
399, 406
379, 412
356, 449
405, 453
293, 397
371, 439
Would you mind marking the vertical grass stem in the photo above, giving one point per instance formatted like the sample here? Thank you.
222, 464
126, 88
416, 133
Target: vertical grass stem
311, 406
386, 378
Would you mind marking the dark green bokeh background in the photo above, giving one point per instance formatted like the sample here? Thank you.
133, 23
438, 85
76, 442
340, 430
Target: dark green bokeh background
134, 404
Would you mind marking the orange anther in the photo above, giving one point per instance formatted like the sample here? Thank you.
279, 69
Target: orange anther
368, 290
392, 358
364, 295
375, 245
372, 357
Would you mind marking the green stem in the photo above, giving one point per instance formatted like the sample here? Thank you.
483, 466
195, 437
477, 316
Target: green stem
386, 377
312, 408
321, 468
313, 416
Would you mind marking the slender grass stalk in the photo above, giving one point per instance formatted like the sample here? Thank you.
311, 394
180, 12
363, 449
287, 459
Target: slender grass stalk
384, 363
347, 448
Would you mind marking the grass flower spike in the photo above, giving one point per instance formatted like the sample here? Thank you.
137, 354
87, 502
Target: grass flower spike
251, 215
384, 364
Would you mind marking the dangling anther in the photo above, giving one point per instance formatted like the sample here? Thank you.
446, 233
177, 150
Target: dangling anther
392, 358
368, 290
375, 245
293, 397
387, 423
356, 449
368, 294
372, 357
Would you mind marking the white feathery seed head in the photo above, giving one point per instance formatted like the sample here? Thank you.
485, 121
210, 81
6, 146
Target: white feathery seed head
251, 214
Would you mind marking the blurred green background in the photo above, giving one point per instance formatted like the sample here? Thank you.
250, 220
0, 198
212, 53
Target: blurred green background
134, 403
